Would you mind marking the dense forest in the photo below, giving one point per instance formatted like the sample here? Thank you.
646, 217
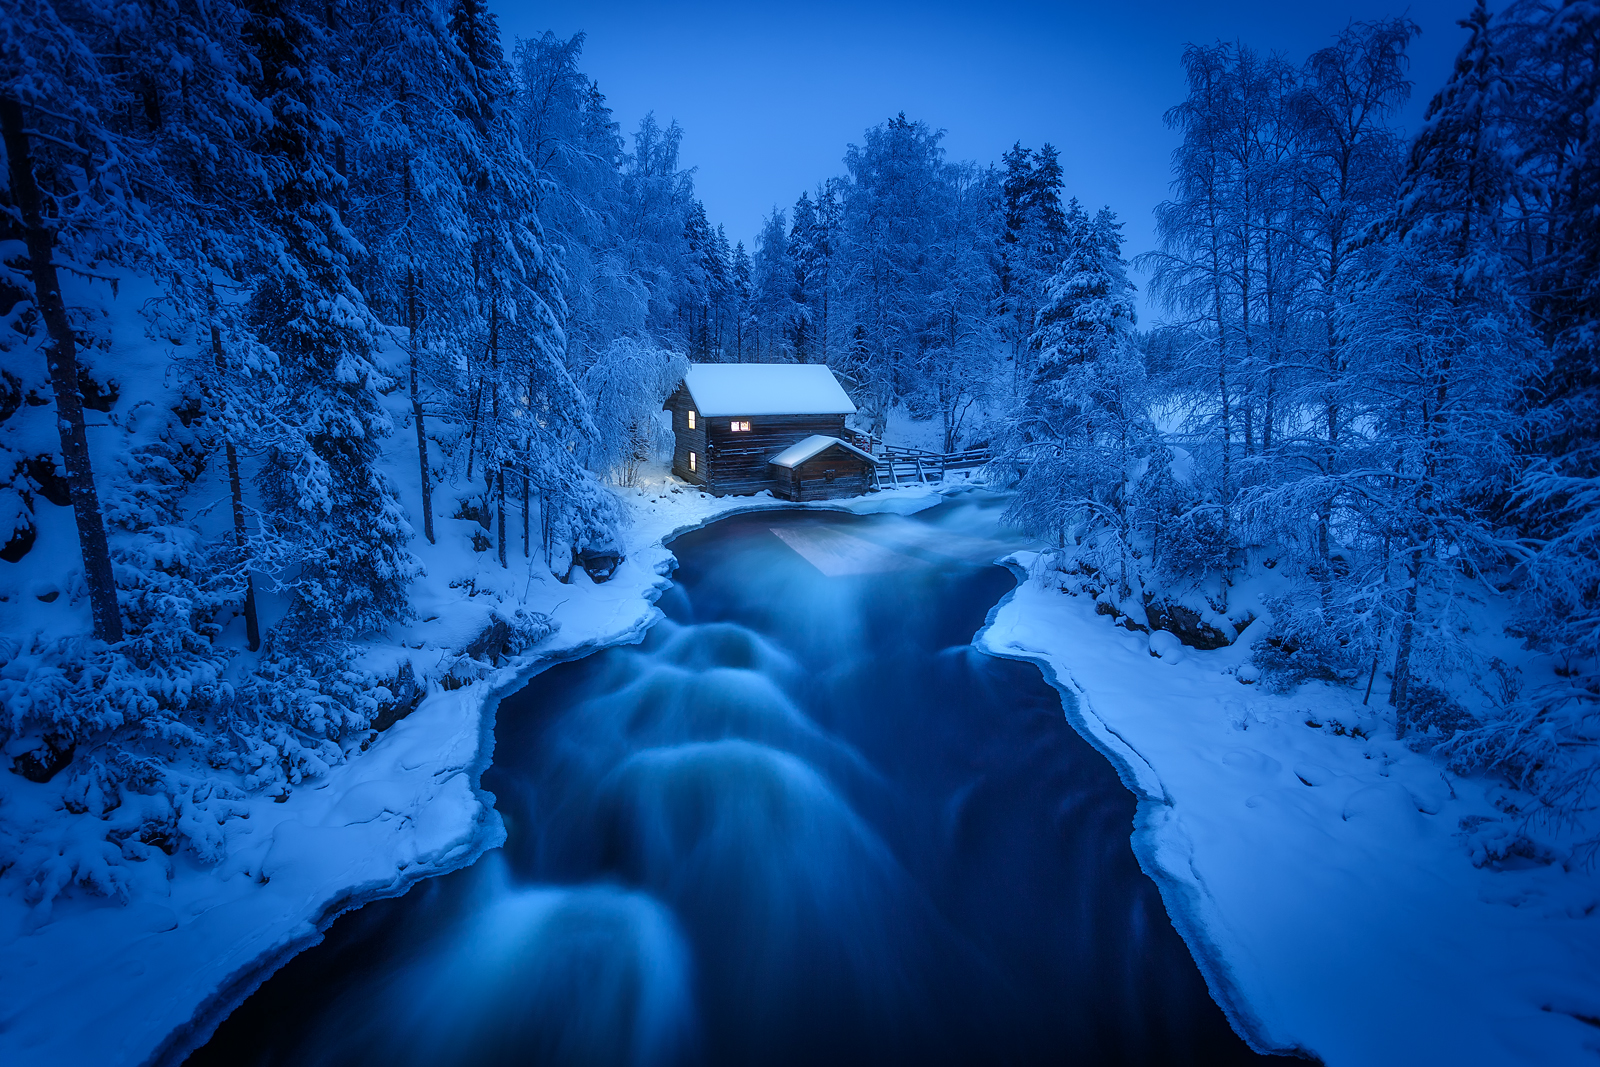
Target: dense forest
1373, 402
274, 245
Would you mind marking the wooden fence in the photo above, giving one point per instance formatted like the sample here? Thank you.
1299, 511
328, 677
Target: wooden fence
903, 466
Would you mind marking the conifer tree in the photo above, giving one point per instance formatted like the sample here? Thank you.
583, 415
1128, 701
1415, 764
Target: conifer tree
576, 151
335, 519
821, 278
1439, 336
743, 291
718, 268
805, 261
891, 207
1089, 302
70, 204
1034, 225
772, 297
1085, 424
1552, 115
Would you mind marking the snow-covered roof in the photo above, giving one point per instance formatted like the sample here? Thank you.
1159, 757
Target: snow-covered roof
766, 389
801, 451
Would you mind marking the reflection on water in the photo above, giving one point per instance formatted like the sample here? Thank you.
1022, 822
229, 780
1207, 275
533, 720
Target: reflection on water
803, 822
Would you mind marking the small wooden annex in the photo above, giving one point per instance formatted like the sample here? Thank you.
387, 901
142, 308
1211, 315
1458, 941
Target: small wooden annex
730, 420
822, 468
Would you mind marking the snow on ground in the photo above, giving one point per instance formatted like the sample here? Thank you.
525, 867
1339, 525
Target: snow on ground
1324, 880
903, 430
103, 983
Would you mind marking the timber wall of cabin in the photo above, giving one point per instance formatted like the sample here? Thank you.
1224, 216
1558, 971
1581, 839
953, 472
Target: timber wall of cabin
685, 440
736, 461
739, 459
809, 481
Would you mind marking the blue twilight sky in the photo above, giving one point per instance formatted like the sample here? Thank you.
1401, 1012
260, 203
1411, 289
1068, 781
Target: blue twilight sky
770, 95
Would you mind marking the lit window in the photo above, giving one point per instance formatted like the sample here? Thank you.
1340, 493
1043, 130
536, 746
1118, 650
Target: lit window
739, 425
694, 462
691, 420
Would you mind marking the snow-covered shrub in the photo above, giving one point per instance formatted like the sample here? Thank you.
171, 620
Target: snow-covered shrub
167, 666
1435, 712
1543, 743
1194, 544
1092, 569
528, 628
626, 385
583, 516
1305, 645
103, 742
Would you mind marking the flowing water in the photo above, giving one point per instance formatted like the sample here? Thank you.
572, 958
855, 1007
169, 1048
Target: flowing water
805, 822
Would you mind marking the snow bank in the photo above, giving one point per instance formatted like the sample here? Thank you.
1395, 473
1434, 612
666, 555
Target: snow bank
144, 983
1322, 872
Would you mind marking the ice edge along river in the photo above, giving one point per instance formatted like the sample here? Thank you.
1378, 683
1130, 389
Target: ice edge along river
161, 973
1323, 875
1319, 881
1185, 900
582, 634
1409, 953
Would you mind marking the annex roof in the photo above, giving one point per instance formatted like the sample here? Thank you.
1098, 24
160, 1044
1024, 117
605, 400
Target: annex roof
816, 444
766, 389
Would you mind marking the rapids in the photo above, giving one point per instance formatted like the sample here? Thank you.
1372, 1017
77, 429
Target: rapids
803, 822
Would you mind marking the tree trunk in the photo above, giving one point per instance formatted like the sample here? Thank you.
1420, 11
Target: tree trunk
472, 436
416, 385
1269, 296
252, 622
62, 356
1330, 456
1402, 653
545, 539
494, 410
417, 417
1227, 462
500, 509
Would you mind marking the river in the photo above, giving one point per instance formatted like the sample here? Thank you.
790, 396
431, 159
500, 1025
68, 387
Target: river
804, 822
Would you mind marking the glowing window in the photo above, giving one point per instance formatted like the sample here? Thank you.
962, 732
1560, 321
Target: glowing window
739, 425
694, 462
691, 420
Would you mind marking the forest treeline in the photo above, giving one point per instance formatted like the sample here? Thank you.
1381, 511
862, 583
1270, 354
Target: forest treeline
1372, 400
268, 254
1368, 405
351, 232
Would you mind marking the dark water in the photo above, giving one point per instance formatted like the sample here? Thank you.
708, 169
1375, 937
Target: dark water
804, 823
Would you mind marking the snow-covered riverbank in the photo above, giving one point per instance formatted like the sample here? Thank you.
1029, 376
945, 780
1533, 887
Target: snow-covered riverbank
1322, 872
142, 983
1324, 879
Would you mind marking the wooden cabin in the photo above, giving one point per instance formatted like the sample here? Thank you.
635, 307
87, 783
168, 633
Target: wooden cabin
822, 468
730, 420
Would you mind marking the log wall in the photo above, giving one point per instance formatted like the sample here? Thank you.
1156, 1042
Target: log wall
735, 462
832, 474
